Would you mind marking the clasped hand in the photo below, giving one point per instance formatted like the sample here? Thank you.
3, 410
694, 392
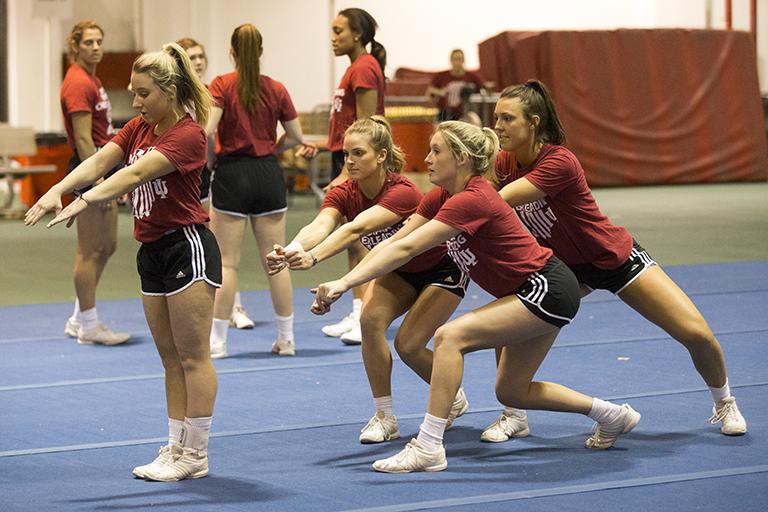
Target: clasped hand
280, 259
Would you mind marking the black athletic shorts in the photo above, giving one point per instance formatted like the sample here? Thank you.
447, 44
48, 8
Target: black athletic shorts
205, 184
170, 265
552, 293
337, 163
248, 186
446, 274
617, 279
75, 161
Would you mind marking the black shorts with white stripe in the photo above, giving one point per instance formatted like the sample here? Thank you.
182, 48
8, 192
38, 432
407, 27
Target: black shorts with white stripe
171, 264
552, 293
614, 280
446, 274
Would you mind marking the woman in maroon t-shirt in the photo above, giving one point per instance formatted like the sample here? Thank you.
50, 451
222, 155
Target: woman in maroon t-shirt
88, 121
535, 294
545, 183
179, 263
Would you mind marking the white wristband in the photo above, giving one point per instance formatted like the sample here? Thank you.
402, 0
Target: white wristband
294, 246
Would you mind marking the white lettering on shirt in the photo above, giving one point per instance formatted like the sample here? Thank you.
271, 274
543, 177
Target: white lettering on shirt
464, 258
538, 217
145, 195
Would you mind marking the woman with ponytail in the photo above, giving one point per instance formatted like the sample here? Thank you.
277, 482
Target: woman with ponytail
248, 181
164, 151
360, 94
376, 201
545, 183
535, 294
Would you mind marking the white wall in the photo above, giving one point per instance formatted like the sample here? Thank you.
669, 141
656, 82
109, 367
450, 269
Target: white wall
416, 33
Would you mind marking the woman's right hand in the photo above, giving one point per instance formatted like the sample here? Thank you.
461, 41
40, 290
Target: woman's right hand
326, 294
307, 150
50, 201
276, 260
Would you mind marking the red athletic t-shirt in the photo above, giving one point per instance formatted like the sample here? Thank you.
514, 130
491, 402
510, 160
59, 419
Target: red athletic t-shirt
451, 102
172, 201
398, 195
81, 92
567, 220
253, 134
493, 248
364, 73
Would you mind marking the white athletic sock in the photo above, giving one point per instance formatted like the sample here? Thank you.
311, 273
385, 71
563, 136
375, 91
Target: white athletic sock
175, 431
219, 331
517, 413
384, 404
720, 393
431, 432
196, 432
284, 327
357, 305
89, 319
603, 412
76, 314
237, 301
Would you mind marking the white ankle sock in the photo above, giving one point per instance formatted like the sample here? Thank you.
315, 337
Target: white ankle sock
219, 331
720, 393
384, 404
89, 319
237, 301
603, 412
284, 327
196, 431
357, 305
517, 413
76, 313
175, 431
431, 433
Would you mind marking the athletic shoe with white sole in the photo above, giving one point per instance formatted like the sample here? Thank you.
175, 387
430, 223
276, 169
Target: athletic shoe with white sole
413, 458
347, 324
239, 319
284, 348
353, 337
71, 328
165, 455
505, 427
603, 436
101, 335
727, 412
219, 350
379, 429
460, 406
182, 463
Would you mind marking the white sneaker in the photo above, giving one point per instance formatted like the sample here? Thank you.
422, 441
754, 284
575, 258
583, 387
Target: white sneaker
284, 348
347, 324
100, 335
379, 429
183, 462
219, 350
728, 413
239, 319
603, 436
353, 337
413, 458
71, 328
505, 427
460, 406
165, 455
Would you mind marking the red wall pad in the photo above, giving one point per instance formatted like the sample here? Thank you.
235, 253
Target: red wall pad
646, 107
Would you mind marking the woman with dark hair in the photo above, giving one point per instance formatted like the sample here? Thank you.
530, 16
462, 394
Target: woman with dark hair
376, 201
88, 121
545, 183
360, 95
179, 263
536, 295
198, 57
248, 180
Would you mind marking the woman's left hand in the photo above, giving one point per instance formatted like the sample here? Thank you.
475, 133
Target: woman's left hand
326, 294
69, 213
49, 201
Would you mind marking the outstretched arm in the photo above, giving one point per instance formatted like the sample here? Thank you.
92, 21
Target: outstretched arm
395, 254
521, 191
